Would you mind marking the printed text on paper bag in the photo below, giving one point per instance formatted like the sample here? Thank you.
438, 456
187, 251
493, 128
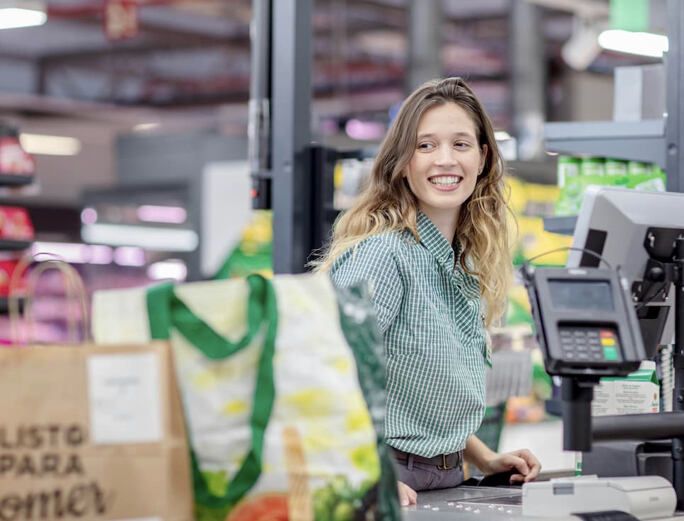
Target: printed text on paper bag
31, 452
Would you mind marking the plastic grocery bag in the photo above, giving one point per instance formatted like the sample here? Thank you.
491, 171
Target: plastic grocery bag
283, 390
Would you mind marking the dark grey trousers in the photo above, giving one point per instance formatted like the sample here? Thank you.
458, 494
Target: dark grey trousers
421, 476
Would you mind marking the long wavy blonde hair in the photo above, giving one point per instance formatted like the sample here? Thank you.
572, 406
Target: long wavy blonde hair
387, 203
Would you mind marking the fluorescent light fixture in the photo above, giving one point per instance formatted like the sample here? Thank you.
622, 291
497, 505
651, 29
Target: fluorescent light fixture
582, 47
145, 127
174, 269
161, 214
501, 135
42, 144
89, 215
365, 130
643, 44
100, 254
147, 237
129, 256
16, 17
75, 253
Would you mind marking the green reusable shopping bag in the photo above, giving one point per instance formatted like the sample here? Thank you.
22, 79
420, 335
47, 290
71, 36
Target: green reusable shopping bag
283, 390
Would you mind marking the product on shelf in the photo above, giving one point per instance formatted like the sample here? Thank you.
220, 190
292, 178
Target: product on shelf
15, 224
616, 167
7, 267
14, 160
575, 175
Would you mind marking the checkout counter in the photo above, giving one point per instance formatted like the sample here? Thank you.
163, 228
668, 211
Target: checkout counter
620, 296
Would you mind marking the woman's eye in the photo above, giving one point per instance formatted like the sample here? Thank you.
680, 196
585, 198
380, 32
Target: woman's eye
425, 146
461, 144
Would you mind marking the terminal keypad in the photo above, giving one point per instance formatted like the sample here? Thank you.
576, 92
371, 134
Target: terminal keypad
589, 344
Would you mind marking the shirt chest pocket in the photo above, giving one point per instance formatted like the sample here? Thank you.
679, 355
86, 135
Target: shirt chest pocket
473, 333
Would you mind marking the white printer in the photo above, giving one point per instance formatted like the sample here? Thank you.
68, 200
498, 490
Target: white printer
645, 497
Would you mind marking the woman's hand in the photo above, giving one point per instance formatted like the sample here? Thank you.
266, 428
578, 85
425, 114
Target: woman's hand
522, 460
407, 496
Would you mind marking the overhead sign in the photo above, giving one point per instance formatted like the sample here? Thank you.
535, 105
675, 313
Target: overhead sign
121, 19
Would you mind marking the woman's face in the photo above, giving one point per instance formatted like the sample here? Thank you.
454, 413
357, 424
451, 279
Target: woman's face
443, 170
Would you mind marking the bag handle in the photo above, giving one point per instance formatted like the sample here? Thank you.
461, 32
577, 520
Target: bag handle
166, 310
73, 287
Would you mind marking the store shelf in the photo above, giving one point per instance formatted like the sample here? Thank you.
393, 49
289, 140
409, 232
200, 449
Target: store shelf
631, 140
15, 180
562, 225
12, 245
541, 172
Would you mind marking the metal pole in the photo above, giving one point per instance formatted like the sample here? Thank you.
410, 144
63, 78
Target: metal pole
291, 134
674, 130
638, 426
678, 362
528, 79
259, 127
425, 37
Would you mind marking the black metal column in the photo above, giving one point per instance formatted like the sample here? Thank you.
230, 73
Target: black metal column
678, 362
674, 130
291, 134
259, 128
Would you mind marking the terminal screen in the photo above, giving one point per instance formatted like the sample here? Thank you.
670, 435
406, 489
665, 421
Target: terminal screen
581, 295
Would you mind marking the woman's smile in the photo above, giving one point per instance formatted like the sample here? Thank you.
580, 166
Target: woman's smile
445, 182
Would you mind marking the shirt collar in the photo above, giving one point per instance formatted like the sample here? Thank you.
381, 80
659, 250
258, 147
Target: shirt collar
436, 243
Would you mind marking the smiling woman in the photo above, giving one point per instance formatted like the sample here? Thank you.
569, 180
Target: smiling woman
429, 236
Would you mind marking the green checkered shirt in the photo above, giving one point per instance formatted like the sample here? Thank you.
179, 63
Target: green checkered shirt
430, 315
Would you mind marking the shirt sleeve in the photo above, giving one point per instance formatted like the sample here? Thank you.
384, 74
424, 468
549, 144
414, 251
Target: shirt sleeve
372, 262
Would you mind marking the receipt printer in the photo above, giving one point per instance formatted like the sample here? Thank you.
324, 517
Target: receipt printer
645, 497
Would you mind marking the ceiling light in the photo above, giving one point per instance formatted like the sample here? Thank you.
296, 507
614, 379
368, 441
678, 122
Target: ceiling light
30, 14
89, 215
161, 214
365, 130
582, 47
148, 237
643, 44
41, 144
145, 127
129, 256
174, 269
75, 253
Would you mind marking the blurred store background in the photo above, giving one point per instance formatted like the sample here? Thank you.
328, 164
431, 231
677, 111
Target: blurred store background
124, 126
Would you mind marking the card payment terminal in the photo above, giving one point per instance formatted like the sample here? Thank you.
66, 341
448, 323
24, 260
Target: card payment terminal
586, 323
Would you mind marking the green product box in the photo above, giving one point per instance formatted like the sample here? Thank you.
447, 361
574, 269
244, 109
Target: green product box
568, 167
570, 198
639, 168
616, 167
593, 166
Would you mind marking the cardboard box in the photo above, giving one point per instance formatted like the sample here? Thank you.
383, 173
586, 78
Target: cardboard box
638, 392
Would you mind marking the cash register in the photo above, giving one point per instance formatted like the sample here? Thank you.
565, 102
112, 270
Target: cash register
603, 314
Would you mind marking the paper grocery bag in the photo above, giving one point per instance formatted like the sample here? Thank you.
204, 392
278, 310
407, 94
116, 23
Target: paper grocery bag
91, 432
